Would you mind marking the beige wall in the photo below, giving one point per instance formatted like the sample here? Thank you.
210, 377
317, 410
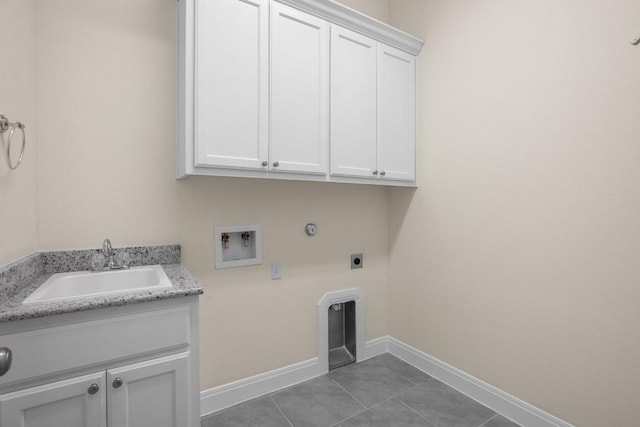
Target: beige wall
518, 258
106, 70
18, 103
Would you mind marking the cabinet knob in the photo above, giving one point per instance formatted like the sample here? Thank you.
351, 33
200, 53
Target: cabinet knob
5, 360
375, 172
117, 382
93, 388
265, 163
276, 164
383, 173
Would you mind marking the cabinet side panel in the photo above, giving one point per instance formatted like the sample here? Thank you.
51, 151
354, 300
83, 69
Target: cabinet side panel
184, 112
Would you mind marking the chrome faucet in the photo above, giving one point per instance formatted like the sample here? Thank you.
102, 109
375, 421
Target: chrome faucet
107, 251
113, 262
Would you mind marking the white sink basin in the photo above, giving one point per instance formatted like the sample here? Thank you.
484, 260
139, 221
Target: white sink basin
65, 286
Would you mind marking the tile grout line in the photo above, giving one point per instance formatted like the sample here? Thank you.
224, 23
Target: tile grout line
281, 411
415, 410
470, 397
413, 382
495, 414
482, 425
475, 400
346, 391
354, 398
409, 379
360, 413
348, 418
399, 374
413, 386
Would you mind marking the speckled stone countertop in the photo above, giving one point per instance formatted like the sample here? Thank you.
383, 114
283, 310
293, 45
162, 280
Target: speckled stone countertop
19, 279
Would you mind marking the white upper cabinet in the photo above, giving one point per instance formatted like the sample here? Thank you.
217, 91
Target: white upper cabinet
232, 83
372, 108
294, 89
299, 120
353, 103
396, 114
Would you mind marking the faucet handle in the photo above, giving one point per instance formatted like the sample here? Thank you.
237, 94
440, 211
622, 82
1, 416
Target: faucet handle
123, 259
97, 261
106, 248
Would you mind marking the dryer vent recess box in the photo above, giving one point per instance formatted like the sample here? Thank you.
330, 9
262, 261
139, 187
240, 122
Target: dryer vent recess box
238, 245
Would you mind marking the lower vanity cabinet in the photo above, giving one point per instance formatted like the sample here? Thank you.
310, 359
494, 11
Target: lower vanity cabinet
76, 402
149, 393
130, 366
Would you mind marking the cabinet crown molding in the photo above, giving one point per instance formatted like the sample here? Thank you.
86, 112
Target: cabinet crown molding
341, 15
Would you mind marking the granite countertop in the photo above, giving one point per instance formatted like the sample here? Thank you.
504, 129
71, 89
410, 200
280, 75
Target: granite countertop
19, 279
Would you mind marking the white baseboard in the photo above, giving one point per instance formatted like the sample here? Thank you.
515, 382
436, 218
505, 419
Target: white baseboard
375, 347
230, 394
526, 415
511, 407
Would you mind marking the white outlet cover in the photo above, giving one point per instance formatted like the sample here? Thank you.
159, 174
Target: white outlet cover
276, 271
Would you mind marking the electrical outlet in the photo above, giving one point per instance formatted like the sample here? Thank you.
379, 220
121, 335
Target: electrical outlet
276, 271
356, 261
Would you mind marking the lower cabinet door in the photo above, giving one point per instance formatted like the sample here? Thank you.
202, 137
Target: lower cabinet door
151, 393
76, 402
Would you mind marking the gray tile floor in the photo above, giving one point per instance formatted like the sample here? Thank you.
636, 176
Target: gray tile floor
379, 392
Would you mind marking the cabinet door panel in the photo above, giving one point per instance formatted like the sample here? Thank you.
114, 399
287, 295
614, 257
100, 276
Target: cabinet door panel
353, 104
152, 393
231, 83
299, 91
61, 404
396, 113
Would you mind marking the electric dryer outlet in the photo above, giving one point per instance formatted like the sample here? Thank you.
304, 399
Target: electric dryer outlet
356, 261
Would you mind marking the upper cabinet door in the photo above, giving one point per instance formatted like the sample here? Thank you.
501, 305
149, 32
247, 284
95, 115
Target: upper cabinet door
396, 114
299, 129
353, 104
231, 83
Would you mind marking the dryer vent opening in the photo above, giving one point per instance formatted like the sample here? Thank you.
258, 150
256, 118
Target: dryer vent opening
342, 334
